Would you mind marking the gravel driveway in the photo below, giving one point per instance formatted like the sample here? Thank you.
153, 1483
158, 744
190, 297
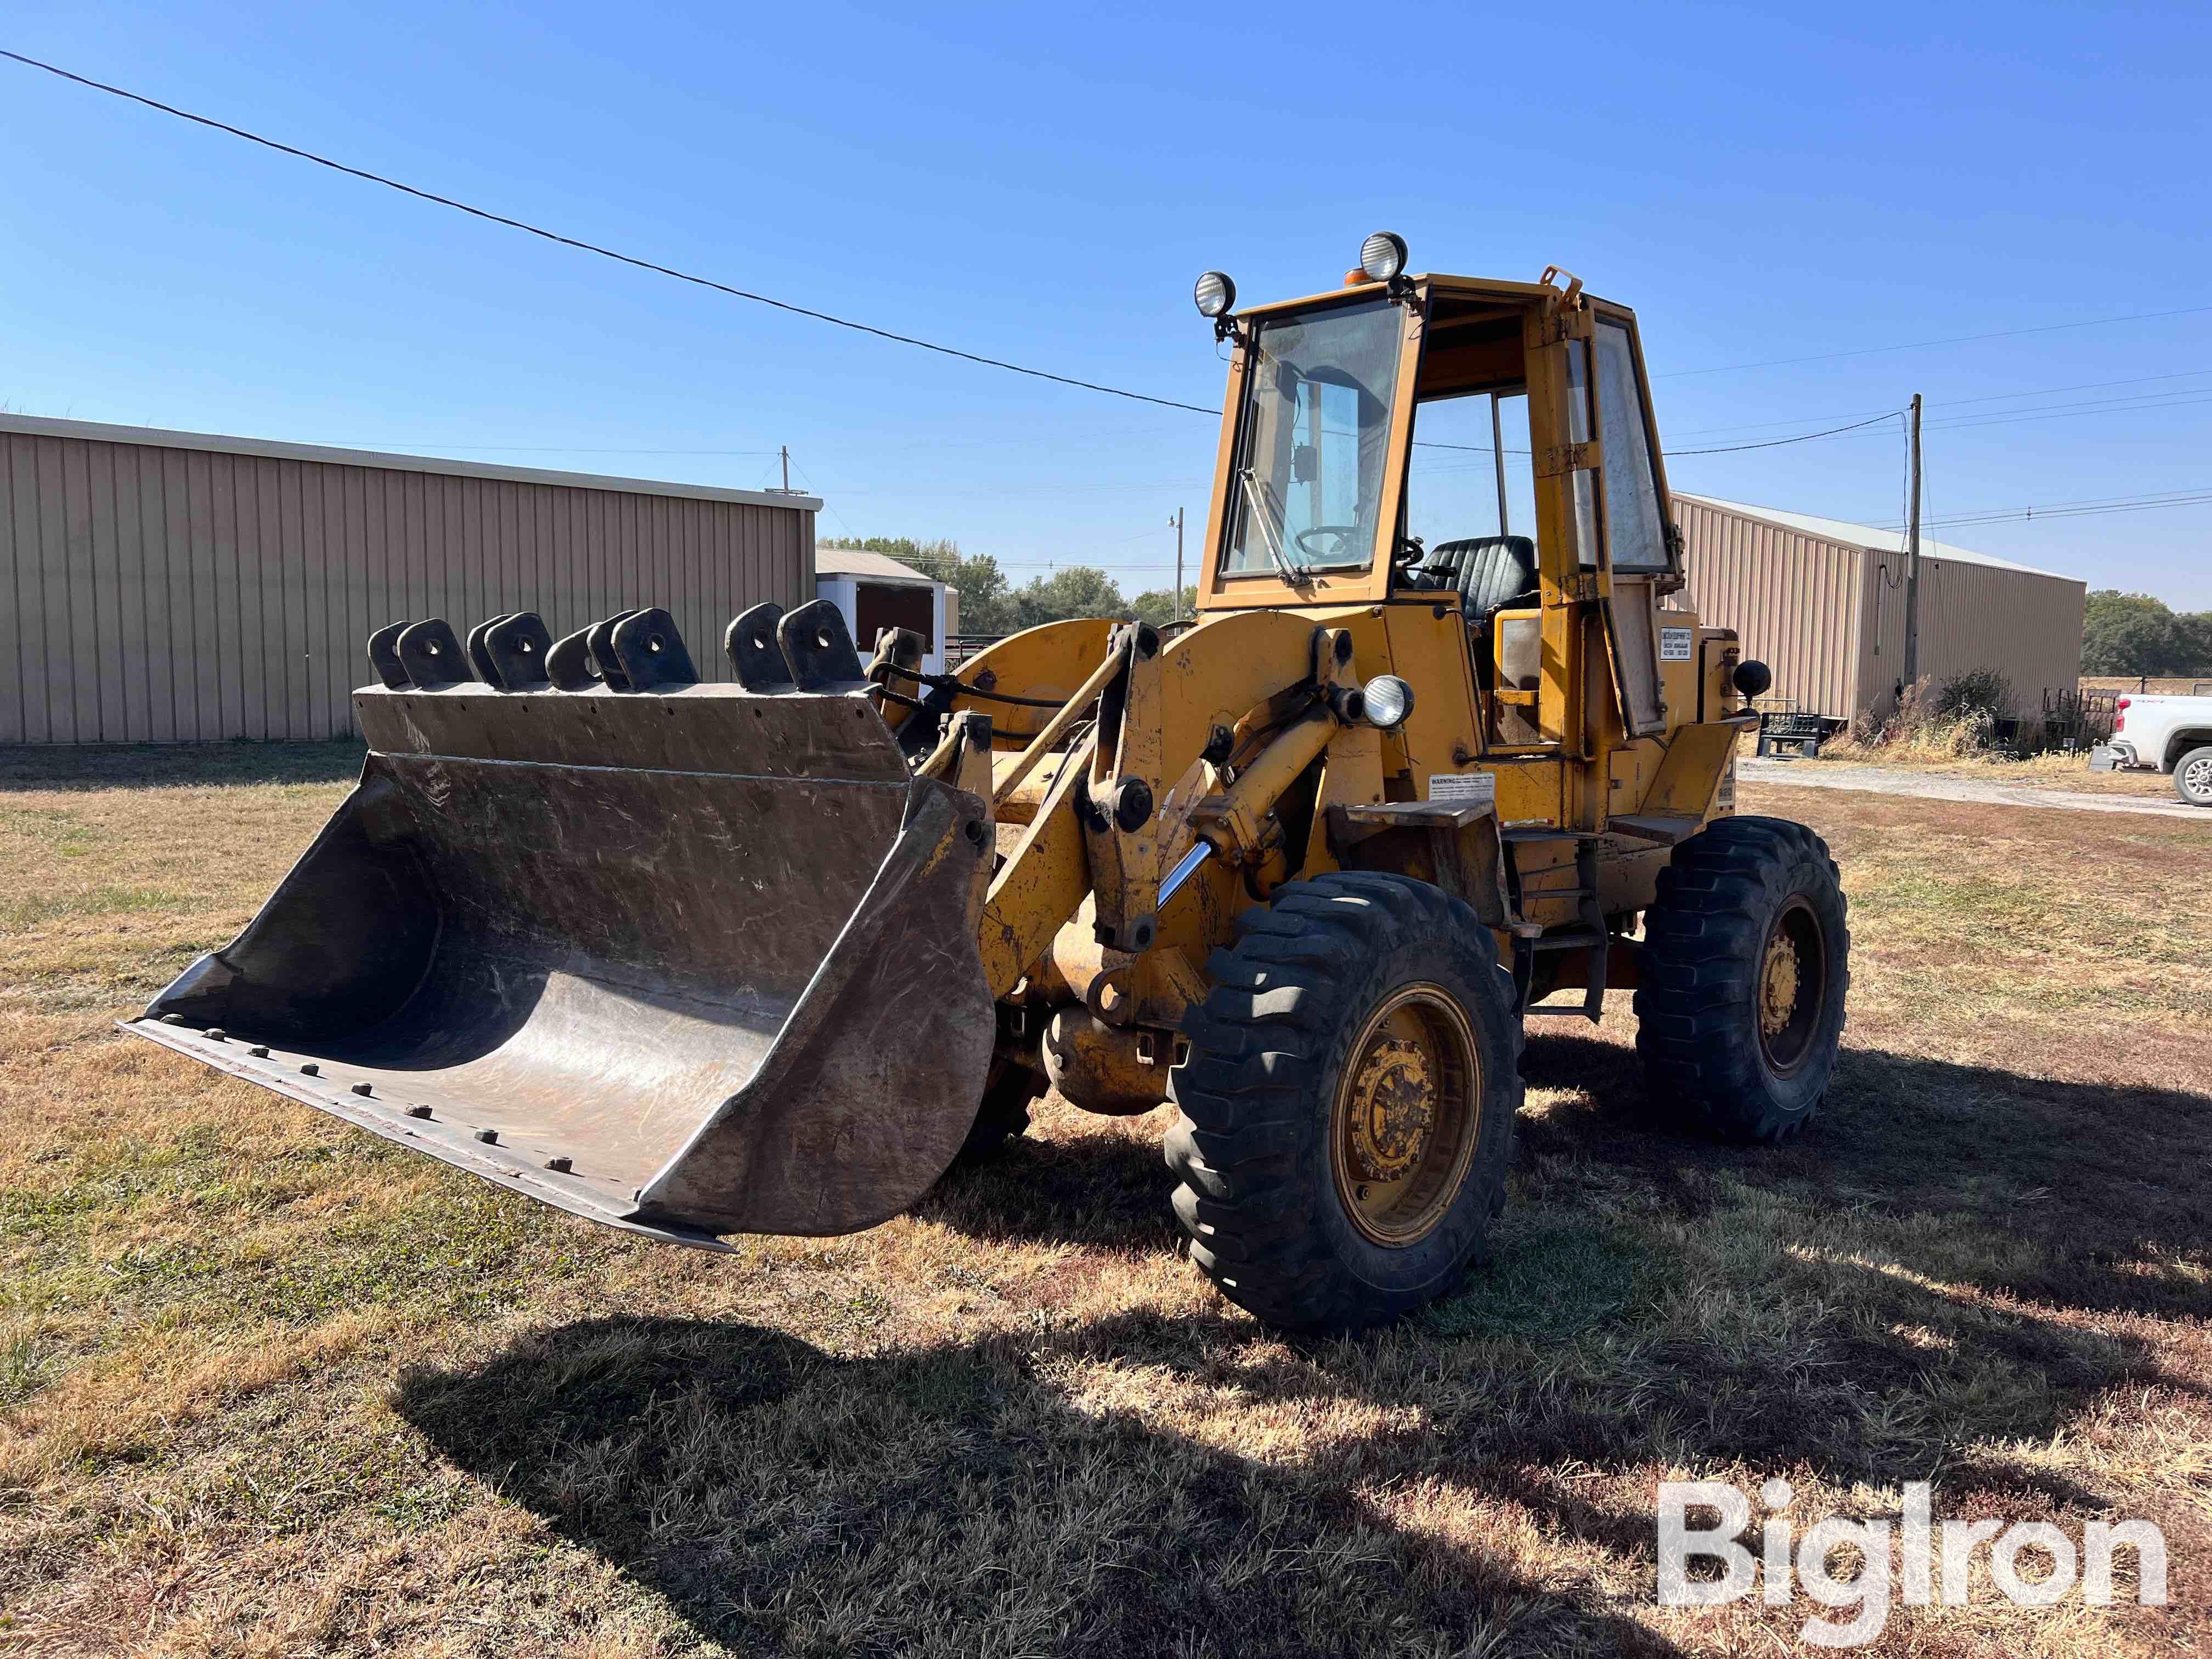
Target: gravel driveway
1882, 781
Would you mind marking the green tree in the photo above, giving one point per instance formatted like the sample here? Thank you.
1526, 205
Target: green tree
2196, 629
1158, 606
2135, 634
1078, 590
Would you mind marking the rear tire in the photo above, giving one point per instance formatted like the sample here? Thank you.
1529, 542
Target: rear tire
1741, 978
2192, 777
1345, 1116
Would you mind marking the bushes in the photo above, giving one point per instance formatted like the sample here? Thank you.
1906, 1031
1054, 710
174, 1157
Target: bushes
1952, 720
1978, 693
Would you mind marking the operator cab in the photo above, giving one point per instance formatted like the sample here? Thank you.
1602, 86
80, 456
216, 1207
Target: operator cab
1381, 443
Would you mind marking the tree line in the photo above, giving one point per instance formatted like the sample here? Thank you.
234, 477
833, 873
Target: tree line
991, 604
2135, 634
2121, 633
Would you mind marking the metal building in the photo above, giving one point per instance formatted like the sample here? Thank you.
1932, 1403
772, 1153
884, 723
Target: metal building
1822, 603
179, 587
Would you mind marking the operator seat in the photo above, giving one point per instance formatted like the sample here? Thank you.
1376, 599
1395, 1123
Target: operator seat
1490, 573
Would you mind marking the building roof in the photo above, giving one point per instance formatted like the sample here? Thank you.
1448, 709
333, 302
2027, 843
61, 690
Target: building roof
876, 566
1866, 536
208, 442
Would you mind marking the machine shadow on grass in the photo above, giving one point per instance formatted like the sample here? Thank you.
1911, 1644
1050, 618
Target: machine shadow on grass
2094, 1173
2097, 1176
966, 1494
953, 1500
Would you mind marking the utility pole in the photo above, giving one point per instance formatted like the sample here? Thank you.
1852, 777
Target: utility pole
1178, 592
1912, 560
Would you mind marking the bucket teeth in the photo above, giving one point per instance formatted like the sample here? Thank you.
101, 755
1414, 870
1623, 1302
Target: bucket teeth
819, 647
750, 642
430, 655
516, 648
600, 636
569, 662
479, 658
585, 659
383, 653
652, 653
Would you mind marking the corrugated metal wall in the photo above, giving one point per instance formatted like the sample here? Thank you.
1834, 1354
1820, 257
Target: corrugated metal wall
1793, 600
173, 594
2025, 625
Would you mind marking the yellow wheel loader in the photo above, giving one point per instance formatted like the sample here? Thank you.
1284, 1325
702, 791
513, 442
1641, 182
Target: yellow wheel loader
1445, 743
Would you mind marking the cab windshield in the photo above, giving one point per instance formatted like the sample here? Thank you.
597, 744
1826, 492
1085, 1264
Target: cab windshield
1307, 491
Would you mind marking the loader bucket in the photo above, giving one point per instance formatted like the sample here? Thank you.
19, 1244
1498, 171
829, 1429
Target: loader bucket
690, 959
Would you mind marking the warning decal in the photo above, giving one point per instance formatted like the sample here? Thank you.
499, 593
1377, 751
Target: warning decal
1464, 786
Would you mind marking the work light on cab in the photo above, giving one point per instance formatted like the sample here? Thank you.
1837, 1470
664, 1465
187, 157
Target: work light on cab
1214, 294
1382, 257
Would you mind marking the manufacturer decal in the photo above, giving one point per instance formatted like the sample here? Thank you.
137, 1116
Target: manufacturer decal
1674, 644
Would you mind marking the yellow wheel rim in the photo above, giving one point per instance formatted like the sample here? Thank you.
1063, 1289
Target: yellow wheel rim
1792, 987
1407, 1117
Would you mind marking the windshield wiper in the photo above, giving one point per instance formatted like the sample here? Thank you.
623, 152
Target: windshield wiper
1256, 506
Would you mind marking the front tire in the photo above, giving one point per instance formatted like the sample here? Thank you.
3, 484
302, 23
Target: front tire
1345, 1116
1741, 978
2192, 777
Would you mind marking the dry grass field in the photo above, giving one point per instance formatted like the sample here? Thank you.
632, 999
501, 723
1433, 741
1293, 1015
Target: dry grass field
269, 1386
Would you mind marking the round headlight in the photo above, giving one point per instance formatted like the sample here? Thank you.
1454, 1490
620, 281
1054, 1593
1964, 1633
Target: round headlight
1387, 702
1214, 294
1382, 256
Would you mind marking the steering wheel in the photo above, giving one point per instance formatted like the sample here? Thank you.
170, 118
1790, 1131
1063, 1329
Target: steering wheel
1343, 532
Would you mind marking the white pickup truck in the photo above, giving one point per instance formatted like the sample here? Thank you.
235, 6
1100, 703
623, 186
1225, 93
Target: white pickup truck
2173, 734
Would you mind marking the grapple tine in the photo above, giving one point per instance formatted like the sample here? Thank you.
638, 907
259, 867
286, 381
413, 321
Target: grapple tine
600, 635
480, 659
430, 655
819, 647
569, 662
383, 653
652, 653
750, 642
517, 647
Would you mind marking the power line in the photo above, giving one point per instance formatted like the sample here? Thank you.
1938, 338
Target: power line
1953, 403
594, 248
2185, 397
2181, 397
1774, 443
2146, 399
581, 245
2090, 506
1919, 345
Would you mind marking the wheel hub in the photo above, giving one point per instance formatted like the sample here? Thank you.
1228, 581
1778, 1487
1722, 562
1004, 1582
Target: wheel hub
1779, 981
1407, 1115
1392, 1110
2199, 777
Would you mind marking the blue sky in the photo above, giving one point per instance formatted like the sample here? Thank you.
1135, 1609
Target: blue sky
1043, 184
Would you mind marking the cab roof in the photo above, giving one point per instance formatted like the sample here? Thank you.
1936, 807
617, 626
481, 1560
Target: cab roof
1472, 287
